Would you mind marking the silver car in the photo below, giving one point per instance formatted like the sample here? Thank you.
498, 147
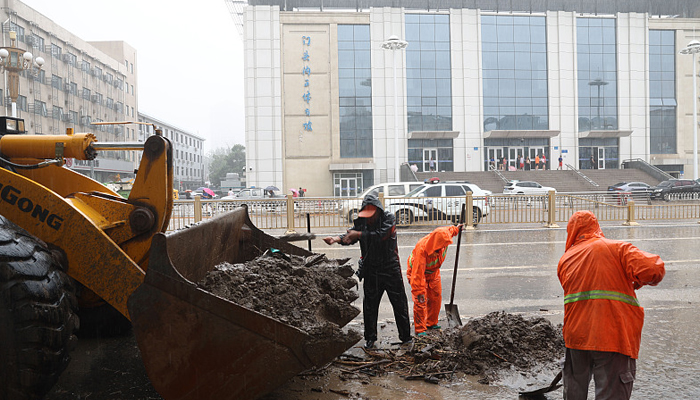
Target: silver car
526, 187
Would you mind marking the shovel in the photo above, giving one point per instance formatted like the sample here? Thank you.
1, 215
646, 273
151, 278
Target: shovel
451, 309
296, 237
552, 386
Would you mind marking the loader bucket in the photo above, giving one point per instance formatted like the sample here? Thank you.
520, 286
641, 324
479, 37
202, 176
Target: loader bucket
196, 345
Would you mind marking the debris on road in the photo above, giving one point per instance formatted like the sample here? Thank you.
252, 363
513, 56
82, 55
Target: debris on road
314, 293
483, 347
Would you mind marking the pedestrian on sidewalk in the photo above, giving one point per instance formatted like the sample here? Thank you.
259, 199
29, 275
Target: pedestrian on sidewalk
543, 162
380, 267
537, 162
528, 163
561, 162
602, 316
423, 275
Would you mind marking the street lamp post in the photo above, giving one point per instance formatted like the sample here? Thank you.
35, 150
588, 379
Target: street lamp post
694, 48
394, 44
598, 82
14, 60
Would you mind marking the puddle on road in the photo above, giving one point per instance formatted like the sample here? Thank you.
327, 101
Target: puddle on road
391, 387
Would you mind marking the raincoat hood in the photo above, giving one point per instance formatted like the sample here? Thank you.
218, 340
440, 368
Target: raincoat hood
438, 239
373, 200
583, 225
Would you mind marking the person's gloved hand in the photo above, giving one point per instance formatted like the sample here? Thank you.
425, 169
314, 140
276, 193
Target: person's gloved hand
421, 298
331, 239
360, 270
351, 236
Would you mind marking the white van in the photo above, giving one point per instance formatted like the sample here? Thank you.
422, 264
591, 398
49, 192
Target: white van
349, 207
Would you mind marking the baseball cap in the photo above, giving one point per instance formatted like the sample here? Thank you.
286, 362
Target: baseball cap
367, 211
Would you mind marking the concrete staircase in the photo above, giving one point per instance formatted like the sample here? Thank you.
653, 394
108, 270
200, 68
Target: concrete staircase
565, 181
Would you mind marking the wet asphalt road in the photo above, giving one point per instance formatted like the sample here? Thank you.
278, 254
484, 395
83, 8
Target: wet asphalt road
512, 270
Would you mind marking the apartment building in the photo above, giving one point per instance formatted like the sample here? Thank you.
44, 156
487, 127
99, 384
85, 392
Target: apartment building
79, 84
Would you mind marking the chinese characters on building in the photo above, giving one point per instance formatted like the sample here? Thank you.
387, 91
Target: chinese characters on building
306, 74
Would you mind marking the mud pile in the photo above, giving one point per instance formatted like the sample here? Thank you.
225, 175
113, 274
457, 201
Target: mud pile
311, 293
499, 340
483, 347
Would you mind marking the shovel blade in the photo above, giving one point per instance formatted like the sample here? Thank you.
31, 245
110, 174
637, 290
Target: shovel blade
539, 392
452, 313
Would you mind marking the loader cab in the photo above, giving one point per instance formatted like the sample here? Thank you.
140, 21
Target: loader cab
11, 126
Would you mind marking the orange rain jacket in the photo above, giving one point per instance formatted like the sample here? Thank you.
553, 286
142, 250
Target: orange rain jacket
599, 277
424, 275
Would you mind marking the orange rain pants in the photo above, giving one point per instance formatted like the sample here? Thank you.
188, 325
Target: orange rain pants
423, 275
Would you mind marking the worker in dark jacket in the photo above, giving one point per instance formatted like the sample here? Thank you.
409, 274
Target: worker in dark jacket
379, 266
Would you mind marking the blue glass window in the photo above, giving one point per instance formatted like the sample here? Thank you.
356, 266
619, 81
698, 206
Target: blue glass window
514, 64
597, 74
662, 91
355, 88
428, 76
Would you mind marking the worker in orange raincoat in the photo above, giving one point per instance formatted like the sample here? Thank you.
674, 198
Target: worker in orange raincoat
602, 317
424, 276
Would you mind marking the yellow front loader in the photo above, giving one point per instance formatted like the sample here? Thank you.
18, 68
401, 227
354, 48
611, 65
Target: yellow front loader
75, 257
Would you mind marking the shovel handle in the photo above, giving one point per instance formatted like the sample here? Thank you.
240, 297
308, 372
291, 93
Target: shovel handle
459, 240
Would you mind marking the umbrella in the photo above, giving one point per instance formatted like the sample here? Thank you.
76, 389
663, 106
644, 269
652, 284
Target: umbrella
209, 192
296, 192
272, 188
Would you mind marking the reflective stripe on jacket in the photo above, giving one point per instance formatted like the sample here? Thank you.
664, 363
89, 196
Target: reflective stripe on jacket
428, 255
433, 265
599, 277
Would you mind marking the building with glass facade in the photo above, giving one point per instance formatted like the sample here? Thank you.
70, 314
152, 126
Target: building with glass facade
330, 109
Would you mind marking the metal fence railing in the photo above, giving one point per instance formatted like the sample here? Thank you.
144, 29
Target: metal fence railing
294, 213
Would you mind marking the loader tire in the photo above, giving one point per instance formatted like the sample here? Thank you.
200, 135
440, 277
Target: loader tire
37, 318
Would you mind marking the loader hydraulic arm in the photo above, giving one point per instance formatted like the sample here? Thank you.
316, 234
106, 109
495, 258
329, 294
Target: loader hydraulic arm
78, 145
106, 239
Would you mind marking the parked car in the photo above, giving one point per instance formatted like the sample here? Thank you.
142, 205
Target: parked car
630, 187
439, 201
351, 206
253, 193
636, 189
526, 187
666, 189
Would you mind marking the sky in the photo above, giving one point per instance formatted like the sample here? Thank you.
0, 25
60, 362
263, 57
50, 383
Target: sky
189, 58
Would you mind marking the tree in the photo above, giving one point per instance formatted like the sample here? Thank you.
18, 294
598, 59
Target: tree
225, 160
